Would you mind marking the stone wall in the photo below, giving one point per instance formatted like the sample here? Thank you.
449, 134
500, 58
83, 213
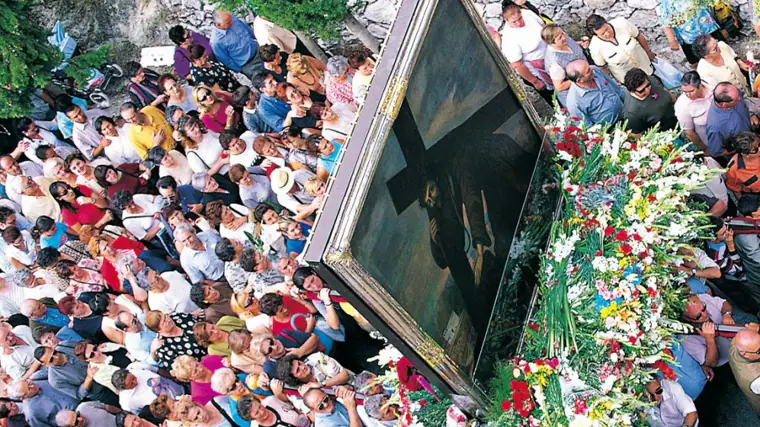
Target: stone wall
571, 14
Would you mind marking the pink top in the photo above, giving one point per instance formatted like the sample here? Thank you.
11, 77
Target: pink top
216, 122
202, 393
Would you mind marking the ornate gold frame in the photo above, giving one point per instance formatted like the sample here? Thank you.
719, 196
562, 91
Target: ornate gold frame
330, 245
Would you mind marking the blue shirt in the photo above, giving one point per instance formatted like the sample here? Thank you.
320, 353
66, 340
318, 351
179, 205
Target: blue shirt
337, 418
298, 245
254, 123
603, 104
690, 375
65, 125
53, 317
68, 334
54, 241
329, 162
722, 124
273, 111
187, 195
235, 46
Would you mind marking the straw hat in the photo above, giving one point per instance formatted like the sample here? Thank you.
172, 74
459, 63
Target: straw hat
282, 180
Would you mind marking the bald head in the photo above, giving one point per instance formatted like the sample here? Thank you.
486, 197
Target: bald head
726, 95
577, 70
747, 342
33, 309
66, 419
222, 19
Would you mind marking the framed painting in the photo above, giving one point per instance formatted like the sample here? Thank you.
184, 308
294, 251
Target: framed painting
420, 218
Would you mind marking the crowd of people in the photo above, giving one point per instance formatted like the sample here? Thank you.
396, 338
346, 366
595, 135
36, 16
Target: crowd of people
612, 76
151, 259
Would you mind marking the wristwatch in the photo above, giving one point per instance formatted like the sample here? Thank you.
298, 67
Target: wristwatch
693, 272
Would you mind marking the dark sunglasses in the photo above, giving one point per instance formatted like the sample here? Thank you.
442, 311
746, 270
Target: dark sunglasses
644, 89
204, 97
268, 346
323, 403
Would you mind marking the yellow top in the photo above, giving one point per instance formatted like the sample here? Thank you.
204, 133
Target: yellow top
142, 136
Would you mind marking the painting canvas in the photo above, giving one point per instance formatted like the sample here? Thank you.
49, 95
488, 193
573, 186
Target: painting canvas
446, 196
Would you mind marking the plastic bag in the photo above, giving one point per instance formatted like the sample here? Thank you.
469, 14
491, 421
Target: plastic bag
668, 74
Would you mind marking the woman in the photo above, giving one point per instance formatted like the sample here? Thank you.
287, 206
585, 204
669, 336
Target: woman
55, 168
236, 386
304, 153
307, 73
214, 337
272, 411
120, 149
338, 81
181, 96
88, 313
57, 235
560, 51
295, 234
80, 206
21, 249
241, 357
193, 414
84, 278
683, 21
364, 67
300, 105
246, 306
171, 163
275, 61
132, 177
232, 224
202, 148
188, 369
719, 63
328, 156
85, 173
619, 46
216, 112
336, 120
211, 73
175, 337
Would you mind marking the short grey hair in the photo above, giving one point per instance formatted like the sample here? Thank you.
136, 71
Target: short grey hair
15, 390
373, 404
199, 181
337, 65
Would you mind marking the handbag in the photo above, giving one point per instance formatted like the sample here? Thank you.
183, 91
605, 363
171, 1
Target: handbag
668, 74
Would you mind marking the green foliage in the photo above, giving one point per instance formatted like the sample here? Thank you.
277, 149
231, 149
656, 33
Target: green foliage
26, 57
318, 18
79, 66
432, 412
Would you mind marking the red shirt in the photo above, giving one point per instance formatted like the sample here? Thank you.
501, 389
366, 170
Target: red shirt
129, 180
294, 307
110, 275
86, 214
218, 121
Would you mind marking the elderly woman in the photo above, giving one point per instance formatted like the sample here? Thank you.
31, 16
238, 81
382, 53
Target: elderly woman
179, 95
188, 369
338, 81
214, 337
272, 411
132, 177
683, 21
85, 173
336, 119
202, 148
233, 224
719, 63
120, 150
214, 188
171, 163
560, 51
55, 168
307, 74
364, 66
236, 386
241, 357
619, 46
211, 73
275, 61
216, 112
175, 337
193, 414
80, 206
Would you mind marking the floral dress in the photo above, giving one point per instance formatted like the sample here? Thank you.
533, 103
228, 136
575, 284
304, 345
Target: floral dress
687, 19
216, 73
184, 344
342, 92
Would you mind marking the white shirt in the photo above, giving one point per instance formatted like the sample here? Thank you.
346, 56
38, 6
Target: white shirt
524, 43
17, 363
121, 149
85, 136
176, 299
140, 396
47, 139
248, 156
728, 72
692, 114
623, 56
182, 173
210, 150
675, 404
26, 257
267, 32
140, 226
346, 114
238, 234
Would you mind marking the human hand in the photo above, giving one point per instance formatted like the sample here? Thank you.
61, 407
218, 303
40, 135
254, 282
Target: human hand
276, 387
229, 111
728, 319
348, 396
24, 144
92, 371
324, 296
263, 381
302, 389
226, 362
730, 240
709, 374
105, 142
294, 352
159, 137
707, 331
265, 164
754, 121
107, 217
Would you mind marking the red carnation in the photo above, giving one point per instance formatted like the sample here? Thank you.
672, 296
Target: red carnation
636, 237
621, 236
652, 197
519, 386
506, 405
643, 255
423, 402
652, 293
632, 340
609, 231
626, 249
553, 362
533, 326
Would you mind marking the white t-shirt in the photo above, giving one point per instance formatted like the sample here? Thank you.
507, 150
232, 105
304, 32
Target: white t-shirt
692, 114
26, 257
140, 226
524, 43
142, 395
121, 149
346, 114
248, 156
182, 173
176, 299
210, 150
675, 403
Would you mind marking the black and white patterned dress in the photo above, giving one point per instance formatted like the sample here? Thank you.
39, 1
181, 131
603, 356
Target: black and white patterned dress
183, 344
216, 73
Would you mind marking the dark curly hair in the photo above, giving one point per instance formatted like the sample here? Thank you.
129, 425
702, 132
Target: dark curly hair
634, 78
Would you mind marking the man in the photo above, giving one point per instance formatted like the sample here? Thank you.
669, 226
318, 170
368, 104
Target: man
183, 38
703, 312
137, 338
198, 257
331, 413
691, 109
36, 200
246, 99
673, 408
185, 196
139, 387
17, 354
14, 171
41, 401
70, 375
647, 103
169, 292
289, 188
744, 168
744, 355
317, 367
296, 343
273, 111
93, 414
149, 128
125, 419
235, 45
213, 299
85, 136
40, 313
35, 137
378, 412
50, 337
728, 116
254, 189
593, 96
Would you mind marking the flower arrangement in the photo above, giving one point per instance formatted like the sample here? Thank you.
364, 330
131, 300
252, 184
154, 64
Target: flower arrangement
608, 292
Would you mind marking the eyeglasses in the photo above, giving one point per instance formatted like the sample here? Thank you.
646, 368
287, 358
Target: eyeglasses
751, 352
268, 346
658, 391
203, 97
323, 403
704, 308
644, 89
231, 387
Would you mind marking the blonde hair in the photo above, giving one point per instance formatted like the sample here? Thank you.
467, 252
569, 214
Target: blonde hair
283, 224
298, 64
182, 409
93, 243
312, 184
183, 367
254, 350
221, 378
196, 92
550, 32
153, 320
237, 304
